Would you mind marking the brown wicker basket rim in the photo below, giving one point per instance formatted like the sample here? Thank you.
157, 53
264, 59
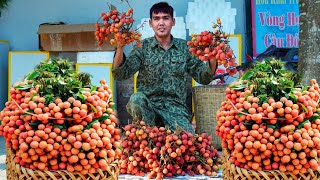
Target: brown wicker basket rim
58, 172
241, 173
270, 172
17, 171
212, 86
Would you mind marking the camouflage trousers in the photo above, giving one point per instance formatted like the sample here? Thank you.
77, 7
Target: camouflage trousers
140, 107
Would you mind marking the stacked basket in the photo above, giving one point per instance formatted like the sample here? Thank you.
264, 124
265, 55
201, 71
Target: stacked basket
269, 125
15, 171
233, 172
207, 101
58, 126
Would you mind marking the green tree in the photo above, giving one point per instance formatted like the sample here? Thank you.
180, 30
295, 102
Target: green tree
309, 48
3, 4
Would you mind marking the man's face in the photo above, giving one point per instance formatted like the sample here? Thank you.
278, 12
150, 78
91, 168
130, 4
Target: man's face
161, 24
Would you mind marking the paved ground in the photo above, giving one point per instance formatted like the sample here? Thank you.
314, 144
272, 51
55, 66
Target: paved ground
2, 159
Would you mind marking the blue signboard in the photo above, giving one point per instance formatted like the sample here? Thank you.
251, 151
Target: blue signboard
4, 50
275, 22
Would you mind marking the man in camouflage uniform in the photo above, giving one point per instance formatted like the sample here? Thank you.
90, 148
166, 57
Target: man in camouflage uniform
163, 63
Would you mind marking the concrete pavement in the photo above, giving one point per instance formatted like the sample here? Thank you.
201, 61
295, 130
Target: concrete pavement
3, 174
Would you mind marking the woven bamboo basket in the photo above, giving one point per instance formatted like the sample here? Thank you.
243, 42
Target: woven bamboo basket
233, 172
8, 163
17, 172
207, 101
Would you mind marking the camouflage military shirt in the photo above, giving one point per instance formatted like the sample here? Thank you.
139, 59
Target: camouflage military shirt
163, 73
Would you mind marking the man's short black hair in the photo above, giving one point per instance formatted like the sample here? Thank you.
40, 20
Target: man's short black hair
161, 7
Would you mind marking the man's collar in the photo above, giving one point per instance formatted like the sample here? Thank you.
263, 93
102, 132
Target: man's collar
155, 42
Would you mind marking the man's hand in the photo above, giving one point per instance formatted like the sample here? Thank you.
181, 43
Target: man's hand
118, 58
213, 64
121, 43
